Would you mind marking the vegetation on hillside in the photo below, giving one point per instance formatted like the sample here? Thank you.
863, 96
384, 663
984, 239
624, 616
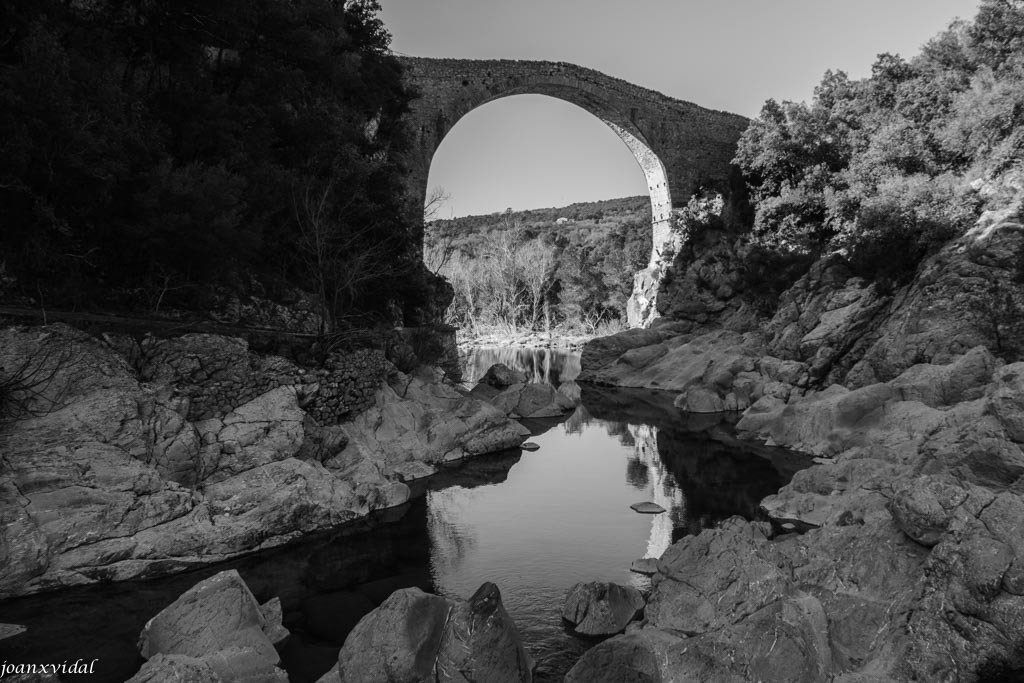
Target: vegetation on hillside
568, 268
886, 168
153, 150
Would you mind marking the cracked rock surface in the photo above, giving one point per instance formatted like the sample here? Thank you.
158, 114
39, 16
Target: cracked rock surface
105, 477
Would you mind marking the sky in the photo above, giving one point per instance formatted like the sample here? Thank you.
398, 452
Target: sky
531, 151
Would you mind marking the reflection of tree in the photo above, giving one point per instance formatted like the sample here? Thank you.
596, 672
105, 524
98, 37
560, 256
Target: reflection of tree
451, 543
636, 473
577, 421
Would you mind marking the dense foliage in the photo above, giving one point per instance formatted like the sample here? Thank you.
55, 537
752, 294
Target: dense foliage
569, 268
886, 168
152, 149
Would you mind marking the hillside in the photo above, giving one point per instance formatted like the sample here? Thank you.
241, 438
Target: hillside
569, 267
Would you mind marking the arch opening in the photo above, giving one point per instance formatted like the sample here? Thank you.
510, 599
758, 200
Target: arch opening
655, 231
651, 165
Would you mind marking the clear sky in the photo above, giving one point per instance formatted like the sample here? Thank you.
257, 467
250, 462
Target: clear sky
532, 151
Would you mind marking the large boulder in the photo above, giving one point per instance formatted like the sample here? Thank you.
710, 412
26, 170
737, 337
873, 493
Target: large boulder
501, 375
600, 608
218, 625
414, 419
414, 636
534, 400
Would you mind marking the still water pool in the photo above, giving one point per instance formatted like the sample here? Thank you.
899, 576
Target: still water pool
534, 523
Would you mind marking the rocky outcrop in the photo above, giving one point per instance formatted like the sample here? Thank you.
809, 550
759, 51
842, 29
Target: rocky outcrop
824, 320
415, 636
849, 331
416, 420
601, 609
968, 294
104, 477
712, 372
216, 631
906, 567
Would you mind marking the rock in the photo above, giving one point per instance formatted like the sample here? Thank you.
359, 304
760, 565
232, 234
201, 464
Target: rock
647, 508
10, 630
530, 446
531, 401
218, 622
700, 399
637, 657
415, 636
785, 640
273, 625
500, 375
1006, 400
646, 565
179, 669
671, 363
823, 318
739, 576
601, 609
964, 379
267, 429
427, 422
962, 297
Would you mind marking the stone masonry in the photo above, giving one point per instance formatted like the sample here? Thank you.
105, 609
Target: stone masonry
681, 146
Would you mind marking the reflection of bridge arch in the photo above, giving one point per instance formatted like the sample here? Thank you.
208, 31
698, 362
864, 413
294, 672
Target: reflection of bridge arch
680, 146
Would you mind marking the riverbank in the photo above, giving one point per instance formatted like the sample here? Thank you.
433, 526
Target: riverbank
526, 339
126, 460
906, 559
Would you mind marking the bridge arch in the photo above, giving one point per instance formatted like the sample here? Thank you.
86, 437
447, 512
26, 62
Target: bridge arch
680, 146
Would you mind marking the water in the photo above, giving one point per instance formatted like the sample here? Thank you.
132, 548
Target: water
534, 523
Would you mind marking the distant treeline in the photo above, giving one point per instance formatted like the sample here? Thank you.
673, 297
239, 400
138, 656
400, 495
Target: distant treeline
154, 149
569, 268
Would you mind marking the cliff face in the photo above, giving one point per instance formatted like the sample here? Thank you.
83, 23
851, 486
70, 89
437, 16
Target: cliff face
201, 450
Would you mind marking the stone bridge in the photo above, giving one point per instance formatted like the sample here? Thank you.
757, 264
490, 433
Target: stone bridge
680, 146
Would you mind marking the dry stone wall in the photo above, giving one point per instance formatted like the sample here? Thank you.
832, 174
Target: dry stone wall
217, 374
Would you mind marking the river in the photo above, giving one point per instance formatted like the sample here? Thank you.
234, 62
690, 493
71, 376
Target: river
534, 523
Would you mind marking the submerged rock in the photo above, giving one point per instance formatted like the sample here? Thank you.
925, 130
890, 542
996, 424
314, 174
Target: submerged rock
415, 636
601, 609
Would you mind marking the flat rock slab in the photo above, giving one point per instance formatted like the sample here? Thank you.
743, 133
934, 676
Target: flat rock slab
530, 446
647, 508
646, 565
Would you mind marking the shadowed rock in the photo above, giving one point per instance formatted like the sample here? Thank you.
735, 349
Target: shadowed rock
415, 636
216, 626
601, 609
